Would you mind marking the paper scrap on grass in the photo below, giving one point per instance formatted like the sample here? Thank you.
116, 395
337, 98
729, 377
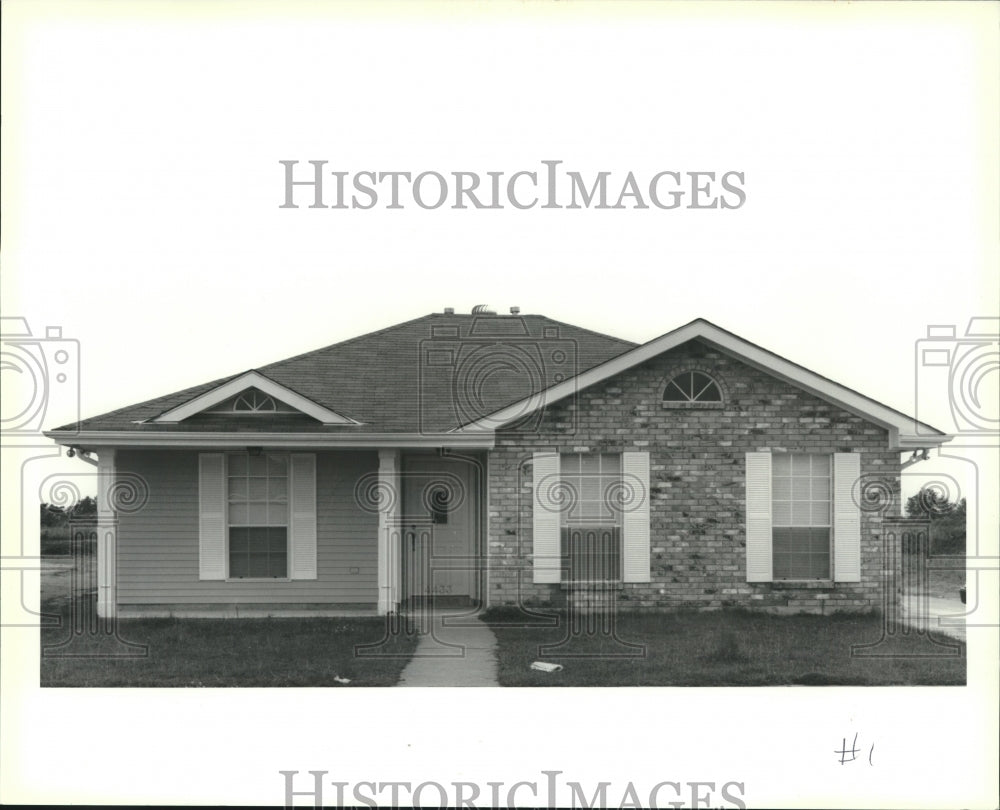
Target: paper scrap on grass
542, 666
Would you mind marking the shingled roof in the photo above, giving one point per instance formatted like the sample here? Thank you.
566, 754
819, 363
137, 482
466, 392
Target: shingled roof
431, 374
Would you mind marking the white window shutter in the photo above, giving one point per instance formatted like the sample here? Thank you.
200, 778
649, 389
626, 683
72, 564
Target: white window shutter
211, 516
758, 493
635, 519
846, 518
545, 518
302, 516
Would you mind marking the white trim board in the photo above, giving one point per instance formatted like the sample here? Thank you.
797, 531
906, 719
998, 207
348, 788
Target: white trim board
253, 379
206, 439
902, 429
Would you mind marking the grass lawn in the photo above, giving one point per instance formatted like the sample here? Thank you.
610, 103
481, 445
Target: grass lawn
225, 652
719, 648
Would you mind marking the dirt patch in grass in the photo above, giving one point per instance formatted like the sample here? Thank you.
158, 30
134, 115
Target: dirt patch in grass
716, 648
217, 652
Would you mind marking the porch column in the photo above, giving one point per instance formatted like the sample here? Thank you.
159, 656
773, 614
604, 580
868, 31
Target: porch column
107, 535
390, 508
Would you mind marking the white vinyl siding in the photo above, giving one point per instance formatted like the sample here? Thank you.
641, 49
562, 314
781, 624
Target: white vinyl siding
159, 545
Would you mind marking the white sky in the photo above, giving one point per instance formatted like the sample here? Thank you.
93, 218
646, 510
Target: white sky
141, 180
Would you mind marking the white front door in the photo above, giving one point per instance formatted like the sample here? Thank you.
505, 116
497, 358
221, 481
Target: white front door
439, 528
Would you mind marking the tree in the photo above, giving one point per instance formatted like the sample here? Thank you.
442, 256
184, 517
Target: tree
947, 534
86, 507
52, 515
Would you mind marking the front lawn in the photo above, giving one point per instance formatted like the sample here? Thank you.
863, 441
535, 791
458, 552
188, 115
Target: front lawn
718, 648
220, 652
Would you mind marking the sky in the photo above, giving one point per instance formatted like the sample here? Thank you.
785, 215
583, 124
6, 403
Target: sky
142, 185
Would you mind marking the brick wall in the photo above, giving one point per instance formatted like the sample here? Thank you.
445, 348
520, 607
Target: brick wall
697, 482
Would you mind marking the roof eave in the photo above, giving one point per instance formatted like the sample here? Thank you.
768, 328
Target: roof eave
191, 439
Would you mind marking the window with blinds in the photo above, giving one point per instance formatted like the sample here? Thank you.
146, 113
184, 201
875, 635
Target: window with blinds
257, 487
801, 516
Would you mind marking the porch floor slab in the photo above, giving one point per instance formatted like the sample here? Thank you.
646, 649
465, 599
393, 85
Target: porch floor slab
456, 649
244, 613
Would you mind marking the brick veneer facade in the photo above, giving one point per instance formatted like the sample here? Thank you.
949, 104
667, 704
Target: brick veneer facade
697, 484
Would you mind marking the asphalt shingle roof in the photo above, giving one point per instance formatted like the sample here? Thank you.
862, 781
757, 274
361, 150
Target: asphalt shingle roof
430, 374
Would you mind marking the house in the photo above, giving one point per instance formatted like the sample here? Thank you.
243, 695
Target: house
499, 459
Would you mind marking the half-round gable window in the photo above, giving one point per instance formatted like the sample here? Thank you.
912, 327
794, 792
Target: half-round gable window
691, 387
254, 402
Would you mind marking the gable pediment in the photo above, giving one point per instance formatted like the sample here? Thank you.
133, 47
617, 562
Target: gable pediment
904, 431
252, 395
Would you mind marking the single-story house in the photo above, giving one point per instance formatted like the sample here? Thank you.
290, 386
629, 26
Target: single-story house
499, 459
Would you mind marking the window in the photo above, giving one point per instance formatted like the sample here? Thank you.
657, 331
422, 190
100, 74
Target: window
591, 529
692, 386
257, 487
252, 402
801, 497
255, 401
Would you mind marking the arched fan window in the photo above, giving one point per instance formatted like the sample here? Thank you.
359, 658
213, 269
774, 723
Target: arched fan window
692, 386
254, 401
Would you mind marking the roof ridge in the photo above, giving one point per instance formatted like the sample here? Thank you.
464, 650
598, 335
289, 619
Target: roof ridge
345, 342
588, 331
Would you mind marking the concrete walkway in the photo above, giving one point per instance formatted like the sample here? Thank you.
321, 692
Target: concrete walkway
456, 650
945, 617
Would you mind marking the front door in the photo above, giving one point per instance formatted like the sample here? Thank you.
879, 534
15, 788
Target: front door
439, 521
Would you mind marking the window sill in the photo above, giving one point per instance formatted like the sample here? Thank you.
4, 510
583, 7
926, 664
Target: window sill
568, 586
688, 406
799, 584
258, 579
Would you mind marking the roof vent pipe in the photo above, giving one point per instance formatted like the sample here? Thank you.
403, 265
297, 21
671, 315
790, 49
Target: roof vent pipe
449, 310
515, 310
